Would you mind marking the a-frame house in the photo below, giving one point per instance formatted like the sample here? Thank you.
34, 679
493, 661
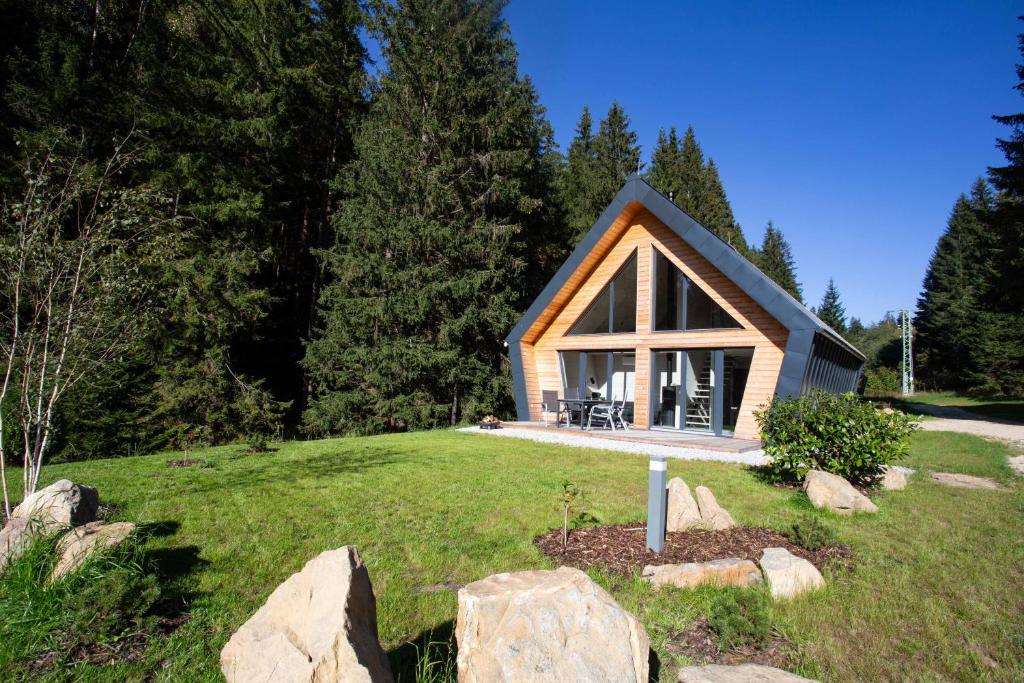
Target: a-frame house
653, 309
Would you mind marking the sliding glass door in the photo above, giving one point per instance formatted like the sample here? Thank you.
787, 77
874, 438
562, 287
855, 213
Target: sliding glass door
600, 375
698, 390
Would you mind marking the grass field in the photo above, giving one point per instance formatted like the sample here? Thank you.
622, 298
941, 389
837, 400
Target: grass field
999, 408
935, 594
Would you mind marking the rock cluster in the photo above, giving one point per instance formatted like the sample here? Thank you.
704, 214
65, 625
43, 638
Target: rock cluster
547, 626
319, 625
684, 512
830, 491
60, 505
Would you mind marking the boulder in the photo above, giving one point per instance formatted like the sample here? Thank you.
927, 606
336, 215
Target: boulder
966, 481
893, 480
15, 538
728, 572
683, 512
547, 626
319, 625
827, 490
59, 505
81, 543
788, 575
713, 515
741, 673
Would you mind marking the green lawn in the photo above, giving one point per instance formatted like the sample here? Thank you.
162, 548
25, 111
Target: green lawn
936, 592
999, 408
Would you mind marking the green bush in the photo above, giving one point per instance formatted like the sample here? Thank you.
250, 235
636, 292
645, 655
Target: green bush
882, 382
811, 533
838, 434
740, 617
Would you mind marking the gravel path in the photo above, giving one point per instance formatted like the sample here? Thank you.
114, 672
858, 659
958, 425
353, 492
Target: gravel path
949, 419
635, 447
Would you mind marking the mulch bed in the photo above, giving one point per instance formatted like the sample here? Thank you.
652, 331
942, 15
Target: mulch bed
622, 548
699, 645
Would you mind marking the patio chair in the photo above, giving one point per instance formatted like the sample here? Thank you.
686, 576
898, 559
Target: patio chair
603, 413
549, 404
619, 414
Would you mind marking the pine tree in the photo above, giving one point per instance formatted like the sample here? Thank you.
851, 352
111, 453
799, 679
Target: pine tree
775, 259
431, 245
665, 173
831, 310
616, 154
693, 192
951, 323
577, 182
716, 213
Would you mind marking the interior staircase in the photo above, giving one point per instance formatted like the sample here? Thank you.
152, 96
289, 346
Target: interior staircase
698, 409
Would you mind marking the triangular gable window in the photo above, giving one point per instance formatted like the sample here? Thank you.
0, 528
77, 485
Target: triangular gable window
614, 309
679, 304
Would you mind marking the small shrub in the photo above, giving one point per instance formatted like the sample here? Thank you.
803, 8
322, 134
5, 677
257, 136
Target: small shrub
570, 501
811, 533
740, 617
882, 381
838, 434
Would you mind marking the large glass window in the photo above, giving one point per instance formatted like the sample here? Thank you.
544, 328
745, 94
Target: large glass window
614, 309
679, 304
599, 375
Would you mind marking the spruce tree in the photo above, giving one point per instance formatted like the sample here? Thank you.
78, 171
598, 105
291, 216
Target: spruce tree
956, 334
715, 213
616, 154
1003, 296
775, 259
665, 173
693, 175
577, 182
831, 310
431, 242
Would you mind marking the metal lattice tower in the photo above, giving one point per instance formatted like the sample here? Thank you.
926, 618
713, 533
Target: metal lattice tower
907, 334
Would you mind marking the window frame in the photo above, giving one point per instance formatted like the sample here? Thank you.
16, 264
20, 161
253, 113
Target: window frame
684, 300
610, 286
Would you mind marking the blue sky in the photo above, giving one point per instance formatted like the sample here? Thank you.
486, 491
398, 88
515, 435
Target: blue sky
852, 127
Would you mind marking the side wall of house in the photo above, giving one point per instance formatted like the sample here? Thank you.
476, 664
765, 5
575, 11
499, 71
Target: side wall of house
643, 234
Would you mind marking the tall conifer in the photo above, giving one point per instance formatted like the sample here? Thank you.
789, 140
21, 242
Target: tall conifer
831, 311
665, 173
775, 259
433, 239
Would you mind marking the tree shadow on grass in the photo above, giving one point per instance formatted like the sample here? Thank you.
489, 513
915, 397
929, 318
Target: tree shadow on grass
268, 470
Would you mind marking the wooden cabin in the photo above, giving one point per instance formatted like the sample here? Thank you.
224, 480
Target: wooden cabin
655, 310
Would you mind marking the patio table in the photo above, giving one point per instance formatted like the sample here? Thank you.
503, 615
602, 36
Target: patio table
583, 405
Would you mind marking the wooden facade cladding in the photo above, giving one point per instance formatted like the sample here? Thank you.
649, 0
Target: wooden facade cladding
636, 230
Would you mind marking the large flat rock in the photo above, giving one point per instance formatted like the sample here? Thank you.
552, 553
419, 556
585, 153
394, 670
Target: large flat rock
741, 673
966, 481
545, 626
76, 547
731, 571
